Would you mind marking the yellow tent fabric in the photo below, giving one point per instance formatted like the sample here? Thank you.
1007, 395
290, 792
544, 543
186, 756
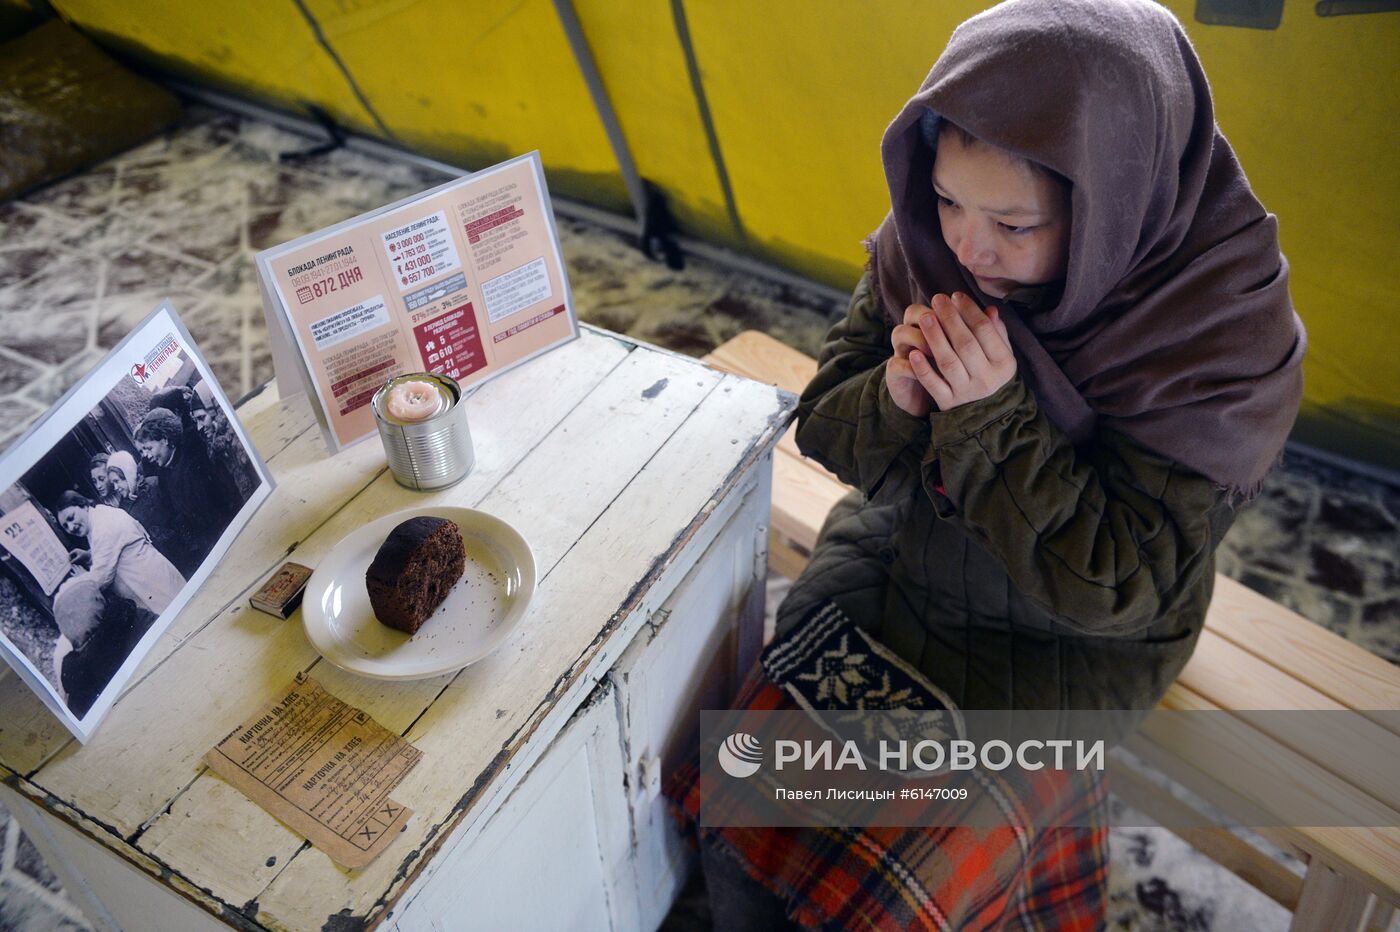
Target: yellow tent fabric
762, 130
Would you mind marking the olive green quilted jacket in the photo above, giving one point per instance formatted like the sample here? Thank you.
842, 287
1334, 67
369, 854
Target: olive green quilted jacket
1013, 570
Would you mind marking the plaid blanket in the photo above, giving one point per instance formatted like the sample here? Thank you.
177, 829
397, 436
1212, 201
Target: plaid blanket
1034, 871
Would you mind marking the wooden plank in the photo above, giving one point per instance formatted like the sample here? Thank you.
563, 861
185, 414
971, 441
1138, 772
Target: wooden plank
803, 491
1219, 844
1331, 902
1372, 854
28, 731
258, 400
1341, 670
762, 358
788, 446
635, 539
757, 356
784, 559
606, 445
1270, 766
1363, 848
211, 825
801, 500
272, 422
1355, 749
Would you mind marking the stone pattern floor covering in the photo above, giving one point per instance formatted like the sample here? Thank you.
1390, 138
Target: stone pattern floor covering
180, 217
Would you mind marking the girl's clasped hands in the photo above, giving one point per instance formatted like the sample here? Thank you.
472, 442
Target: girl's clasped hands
948, 353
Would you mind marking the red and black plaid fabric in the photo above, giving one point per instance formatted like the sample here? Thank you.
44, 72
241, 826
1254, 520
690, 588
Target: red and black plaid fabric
1044, 869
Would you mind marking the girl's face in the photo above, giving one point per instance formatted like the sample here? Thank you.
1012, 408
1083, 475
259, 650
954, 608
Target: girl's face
74, 520
99, 479
116, 479
1007, 223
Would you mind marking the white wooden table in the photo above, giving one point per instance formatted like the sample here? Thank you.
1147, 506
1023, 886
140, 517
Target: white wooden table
641, 479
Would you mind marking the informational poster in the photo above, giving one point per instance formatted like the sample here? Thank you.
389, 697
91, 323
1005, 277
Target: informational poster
29, 539
114, 509
465, 280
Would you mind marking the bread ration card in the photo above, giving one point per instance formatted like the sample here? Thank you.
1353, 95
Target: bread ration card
322, 768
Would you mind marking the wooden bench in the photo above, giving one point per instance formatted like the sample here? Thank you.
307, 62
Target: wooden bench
1252, 655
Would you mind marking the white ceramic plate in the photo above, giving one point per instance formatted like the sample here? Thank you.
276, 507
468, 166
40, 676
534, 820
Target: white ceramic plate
480, 610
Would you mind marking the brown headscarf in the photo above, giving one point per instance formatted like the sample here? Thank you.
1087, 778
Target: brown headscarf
1174, 325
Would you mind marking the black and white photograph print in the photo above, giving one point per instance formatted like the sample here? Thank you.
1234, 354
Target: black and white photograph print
113, 509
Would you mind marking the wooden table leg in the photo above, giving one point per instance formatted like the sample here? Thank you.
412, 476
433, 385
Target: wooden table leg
1330, 901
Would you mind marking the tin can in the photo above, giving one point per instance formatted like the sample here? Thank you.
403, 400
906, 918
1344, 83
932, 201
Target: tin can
431, 451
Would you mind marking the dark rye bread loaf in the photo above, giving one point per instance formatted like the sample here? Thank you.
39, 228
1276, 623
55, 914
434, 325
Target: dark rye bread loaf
414, 570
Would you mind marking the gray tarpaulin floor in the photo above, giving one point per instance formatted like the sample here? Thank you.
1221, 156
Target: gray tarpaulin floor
180, 217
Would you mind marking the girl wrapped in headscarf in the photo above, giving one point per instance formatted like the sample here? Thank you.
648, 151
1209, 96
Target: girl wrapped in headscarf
1072, 356
97, 472
138, 495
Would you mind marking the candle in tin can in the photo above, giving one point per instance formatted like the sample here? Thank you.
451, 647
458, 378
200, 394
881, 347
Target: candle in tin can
411, 400
423, 425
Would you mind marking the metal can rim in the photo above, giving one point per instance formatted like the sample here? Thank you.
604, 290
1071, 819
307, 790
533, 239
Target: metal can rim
453, 389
